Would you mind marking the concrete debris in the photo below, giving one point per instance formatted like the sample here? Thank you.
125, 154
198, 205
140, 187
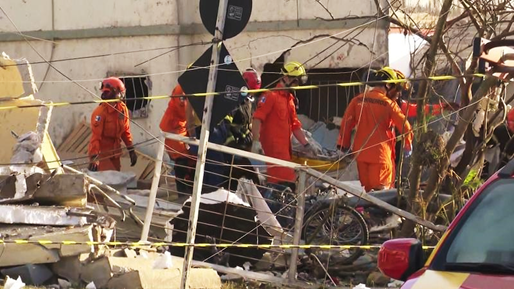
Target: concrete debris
118, 180
140, 274
377, 279
46, 189
63, 284
97, 271
13, 284
361, 286
42, 215
26, 151
21, 254
34, 275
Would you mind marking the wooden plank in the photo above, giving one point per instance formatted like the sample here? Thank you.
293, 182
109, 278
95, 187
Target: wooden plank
84, 146
137, 169
71, 137
77, 140
148, 170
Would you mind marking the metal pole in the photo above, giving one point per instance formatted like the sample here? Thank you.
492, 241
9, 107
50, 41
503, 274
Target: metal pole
153, 191
351, 189
204, 138
297, 226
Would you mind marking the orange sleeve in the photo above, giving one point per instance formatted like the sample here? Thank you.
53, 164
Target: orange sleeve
264, 106
165, 124
126, 136
347, 124
97, 128
295, 122
409, 109
401, 123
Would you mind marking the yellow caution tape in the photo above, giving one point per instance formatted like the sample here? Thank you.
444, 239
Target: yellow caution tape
197, 245
306, 87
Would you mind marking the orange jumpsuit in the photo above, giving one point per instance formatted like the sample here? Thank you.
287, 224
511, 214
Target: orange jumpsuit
374, 115
277, 112
410, 109
110, 124
174, 121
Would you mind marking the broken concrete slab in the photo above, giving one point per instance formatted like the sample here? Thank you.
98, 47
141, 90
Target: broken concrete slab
21, 254
118, 180
97, 271
149, 278
129, 280
42, 215
30, 274
68, 268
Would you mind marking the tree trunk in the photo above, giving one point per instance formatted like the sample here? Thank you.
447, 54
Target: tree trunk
437, 174
415, 175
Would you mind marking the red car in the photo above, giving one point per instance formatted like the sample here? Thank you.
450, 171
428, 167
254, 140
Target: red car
477, 250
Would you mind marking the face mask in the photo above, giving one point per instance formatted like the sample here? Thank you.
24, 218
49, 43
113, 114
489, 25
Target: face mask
108, 95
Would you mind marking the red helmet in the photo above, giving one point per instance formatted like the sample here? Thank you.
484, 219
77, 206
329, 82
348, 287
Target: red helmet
252, 79
510, 120
113, 83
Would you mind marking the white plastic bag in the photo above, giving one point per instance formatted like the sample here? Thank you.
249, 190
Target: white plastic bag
91, 285
14, 284
163, 262
361, 286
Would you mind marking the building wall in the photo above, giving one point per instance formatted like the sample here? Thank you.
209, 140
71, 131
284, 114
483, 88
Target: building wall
92, 27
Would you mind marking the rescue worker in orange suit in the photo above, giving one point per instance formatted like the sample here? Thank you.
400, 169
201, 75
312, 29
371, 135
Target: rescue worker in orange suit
110, 125
275, 121
174, 121
373, 115
410, 109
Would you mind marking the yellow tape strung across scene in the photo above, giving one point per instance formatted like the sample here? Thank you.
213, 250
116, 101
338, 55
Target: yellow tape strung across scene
198, 245
306, 87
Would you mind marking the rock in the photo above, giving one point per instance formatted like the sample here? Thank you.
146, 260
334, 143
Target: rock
30, 274
129, 280
68, 268
150, 278
130, 253
64, 284
377, 279
98, 271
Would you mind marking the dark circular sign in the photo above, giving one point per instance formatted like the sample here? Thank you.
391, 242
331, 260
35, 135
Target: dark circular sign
238, 15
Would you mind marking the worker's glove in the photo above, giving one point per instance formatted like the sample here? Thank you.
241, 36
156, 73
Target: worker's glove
257, 148
133, 156
247, 139
313, 150
93, 163
408, 153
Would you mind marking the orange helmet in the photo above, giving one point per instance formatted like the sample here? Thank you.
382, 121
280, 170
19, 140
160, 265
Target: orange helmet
113, 84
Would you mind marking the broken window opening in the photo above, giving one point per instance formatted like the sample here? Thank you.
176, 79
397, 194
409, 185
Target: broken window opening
137, 88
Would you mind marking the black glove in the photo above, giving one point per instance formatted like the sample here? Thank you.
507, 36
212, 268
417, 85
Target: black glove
248, 138
133, 156
93, 164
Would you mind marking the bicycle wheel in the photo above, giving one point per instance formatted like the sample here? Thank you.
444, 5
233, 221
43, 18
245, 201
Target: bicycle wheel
332, 224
